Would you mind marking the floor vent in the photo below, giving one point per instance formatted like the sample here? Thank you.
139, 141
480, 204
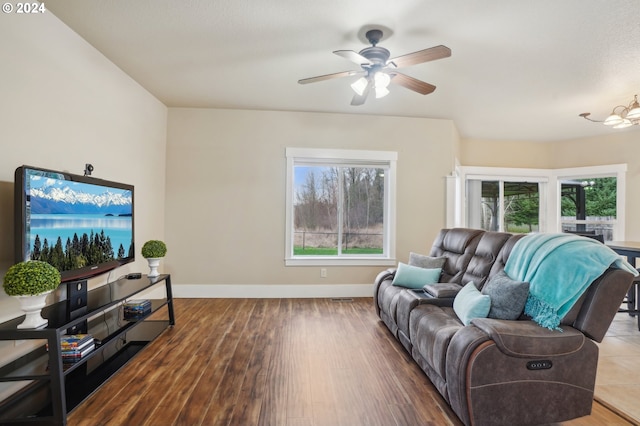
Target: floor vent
341, 299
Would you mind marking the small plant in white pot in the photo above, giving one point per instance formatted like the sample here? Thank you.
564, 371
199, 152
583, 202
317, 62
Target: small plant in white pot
30, 282
153, 251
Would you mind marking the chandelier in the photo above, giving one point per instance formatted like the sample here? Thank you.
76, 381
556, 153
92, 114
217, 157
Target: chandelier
621, 116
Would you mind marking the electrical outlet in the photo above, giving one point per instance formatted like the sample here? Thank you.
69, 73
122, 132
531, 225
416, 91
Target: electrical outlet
323, 272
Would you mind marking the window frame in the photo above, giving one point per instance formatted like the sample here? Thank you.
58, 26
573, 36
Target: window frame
619, 171
550, 214
509, 175
341, 157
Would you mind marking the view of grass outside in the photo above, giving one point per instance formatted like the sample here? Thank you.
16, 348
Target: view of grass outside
320, 251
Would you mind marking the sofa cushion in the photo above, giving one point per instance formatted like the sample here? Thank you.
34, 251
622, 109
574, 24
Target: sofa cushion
458, 246
483, 257
432, 328
508, 296
470, 303
415, 277
423, 261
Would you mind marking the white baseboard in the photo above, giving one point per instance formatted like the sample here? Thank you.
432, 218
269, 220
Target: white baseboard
276, 291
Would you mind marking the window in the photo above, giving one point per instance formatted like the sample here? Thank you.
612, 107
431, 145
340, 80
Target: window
581, 199
498, 205
340, 207
592, 201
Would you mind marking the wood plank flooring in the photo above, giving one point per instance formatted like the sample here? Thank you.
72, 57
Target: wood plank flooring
289, 362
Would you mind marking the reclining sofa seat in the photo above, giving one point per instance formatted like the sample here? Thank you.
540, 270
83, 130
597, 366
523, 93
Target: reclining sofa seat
499, 372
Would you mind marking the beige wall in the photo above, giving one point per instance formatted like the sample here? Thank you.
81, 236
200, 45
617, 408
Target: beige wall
62, 105
490, 153
225, 199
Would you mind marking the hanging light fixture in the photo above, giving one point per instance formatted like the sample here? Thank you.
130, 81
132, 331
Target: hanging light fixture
381, 80
621, 116
378, 80
359, 85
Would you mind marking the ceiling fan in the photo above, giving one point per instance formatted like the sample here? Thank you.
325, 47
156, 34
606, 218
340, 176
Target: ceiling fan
378, 70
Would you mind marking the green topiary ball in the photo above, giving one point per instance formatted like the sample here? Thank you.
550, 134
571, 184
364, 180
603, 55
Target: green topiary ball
154, 248
30, 278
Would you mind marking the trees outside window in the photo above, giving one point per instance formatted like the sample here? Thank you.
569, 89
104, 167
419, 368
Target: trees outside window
340, 204
338, 210
579, 199
589, 205
496, 205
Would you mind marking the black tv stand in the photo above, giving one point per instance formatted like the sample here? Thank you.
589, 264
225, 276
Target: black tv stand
57, 388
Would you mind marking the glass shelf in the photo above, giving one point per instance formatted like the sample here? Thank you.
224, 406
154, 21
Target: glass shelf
65, 385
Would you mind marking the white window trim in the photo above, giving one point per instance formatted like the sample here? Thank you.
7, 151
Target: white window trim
552, 177
341, 155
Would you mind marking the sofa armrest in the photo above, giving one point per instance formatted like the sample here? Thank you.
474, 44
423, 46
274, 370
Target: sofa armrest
387, 274
526, 339
442, 290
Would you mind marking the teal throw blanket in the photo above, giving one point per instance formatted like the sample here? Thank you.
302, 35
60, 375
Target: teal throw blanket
559, 268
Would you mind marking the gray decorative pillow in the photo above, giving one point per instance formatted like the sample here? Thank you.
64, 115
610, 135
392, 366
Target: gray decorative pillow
508, 296
428, 262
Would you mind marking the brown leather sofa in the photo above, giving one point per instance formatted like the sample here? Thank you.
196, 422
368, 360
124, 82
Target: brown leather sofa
492, 371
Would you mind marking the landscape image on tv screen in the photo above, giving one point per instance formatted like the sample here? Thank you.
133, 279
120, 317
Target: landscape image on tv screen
73, 224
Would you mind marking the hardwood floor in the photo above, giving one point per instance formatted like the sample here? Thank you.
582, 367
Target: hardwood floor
289, 362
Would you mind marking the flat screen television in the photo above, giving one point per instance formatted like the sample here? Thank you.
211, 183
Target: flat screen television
80, 224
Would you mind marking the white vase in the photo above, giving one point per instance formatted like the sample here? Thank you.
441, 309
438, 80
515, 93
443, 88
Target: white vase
154, 262
32, 305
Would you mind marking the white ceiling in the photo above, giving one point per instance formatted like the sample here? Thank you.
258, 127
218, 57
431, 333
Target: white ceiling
519, 70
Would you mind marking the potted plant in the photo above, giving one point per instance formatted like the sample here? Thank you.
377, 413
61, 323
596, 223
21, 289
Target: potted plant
30, 282
153, 251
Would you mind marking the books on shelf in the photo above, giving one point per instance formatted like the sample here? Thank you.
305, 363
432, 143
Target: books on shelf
74, 347
75, 356
75, 341
136, 309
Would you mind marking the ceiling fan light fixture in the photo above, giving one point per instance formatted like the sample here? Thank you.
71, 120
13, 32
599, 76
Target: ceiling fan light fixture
360, 85
381, 80
381, 92
375, 64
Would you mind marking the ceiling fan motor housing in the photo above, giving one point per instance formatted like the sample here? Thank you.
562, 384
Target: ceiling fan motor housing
374, 36
377, 55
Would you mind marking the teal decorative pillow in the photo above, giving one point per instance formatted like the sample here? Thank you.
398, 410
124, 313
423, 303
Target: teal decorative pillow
508, 296
470, 303
415, 277
428, 262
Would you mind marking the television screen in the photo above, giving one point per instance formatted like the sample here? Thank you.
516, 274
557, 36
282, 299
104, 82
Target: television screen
81, 225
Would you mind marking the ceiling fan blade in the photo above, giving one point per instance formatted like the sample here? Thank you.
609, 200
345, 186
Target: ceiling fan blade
412, 83
330, 76
426, 55
353, 57
359, 99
